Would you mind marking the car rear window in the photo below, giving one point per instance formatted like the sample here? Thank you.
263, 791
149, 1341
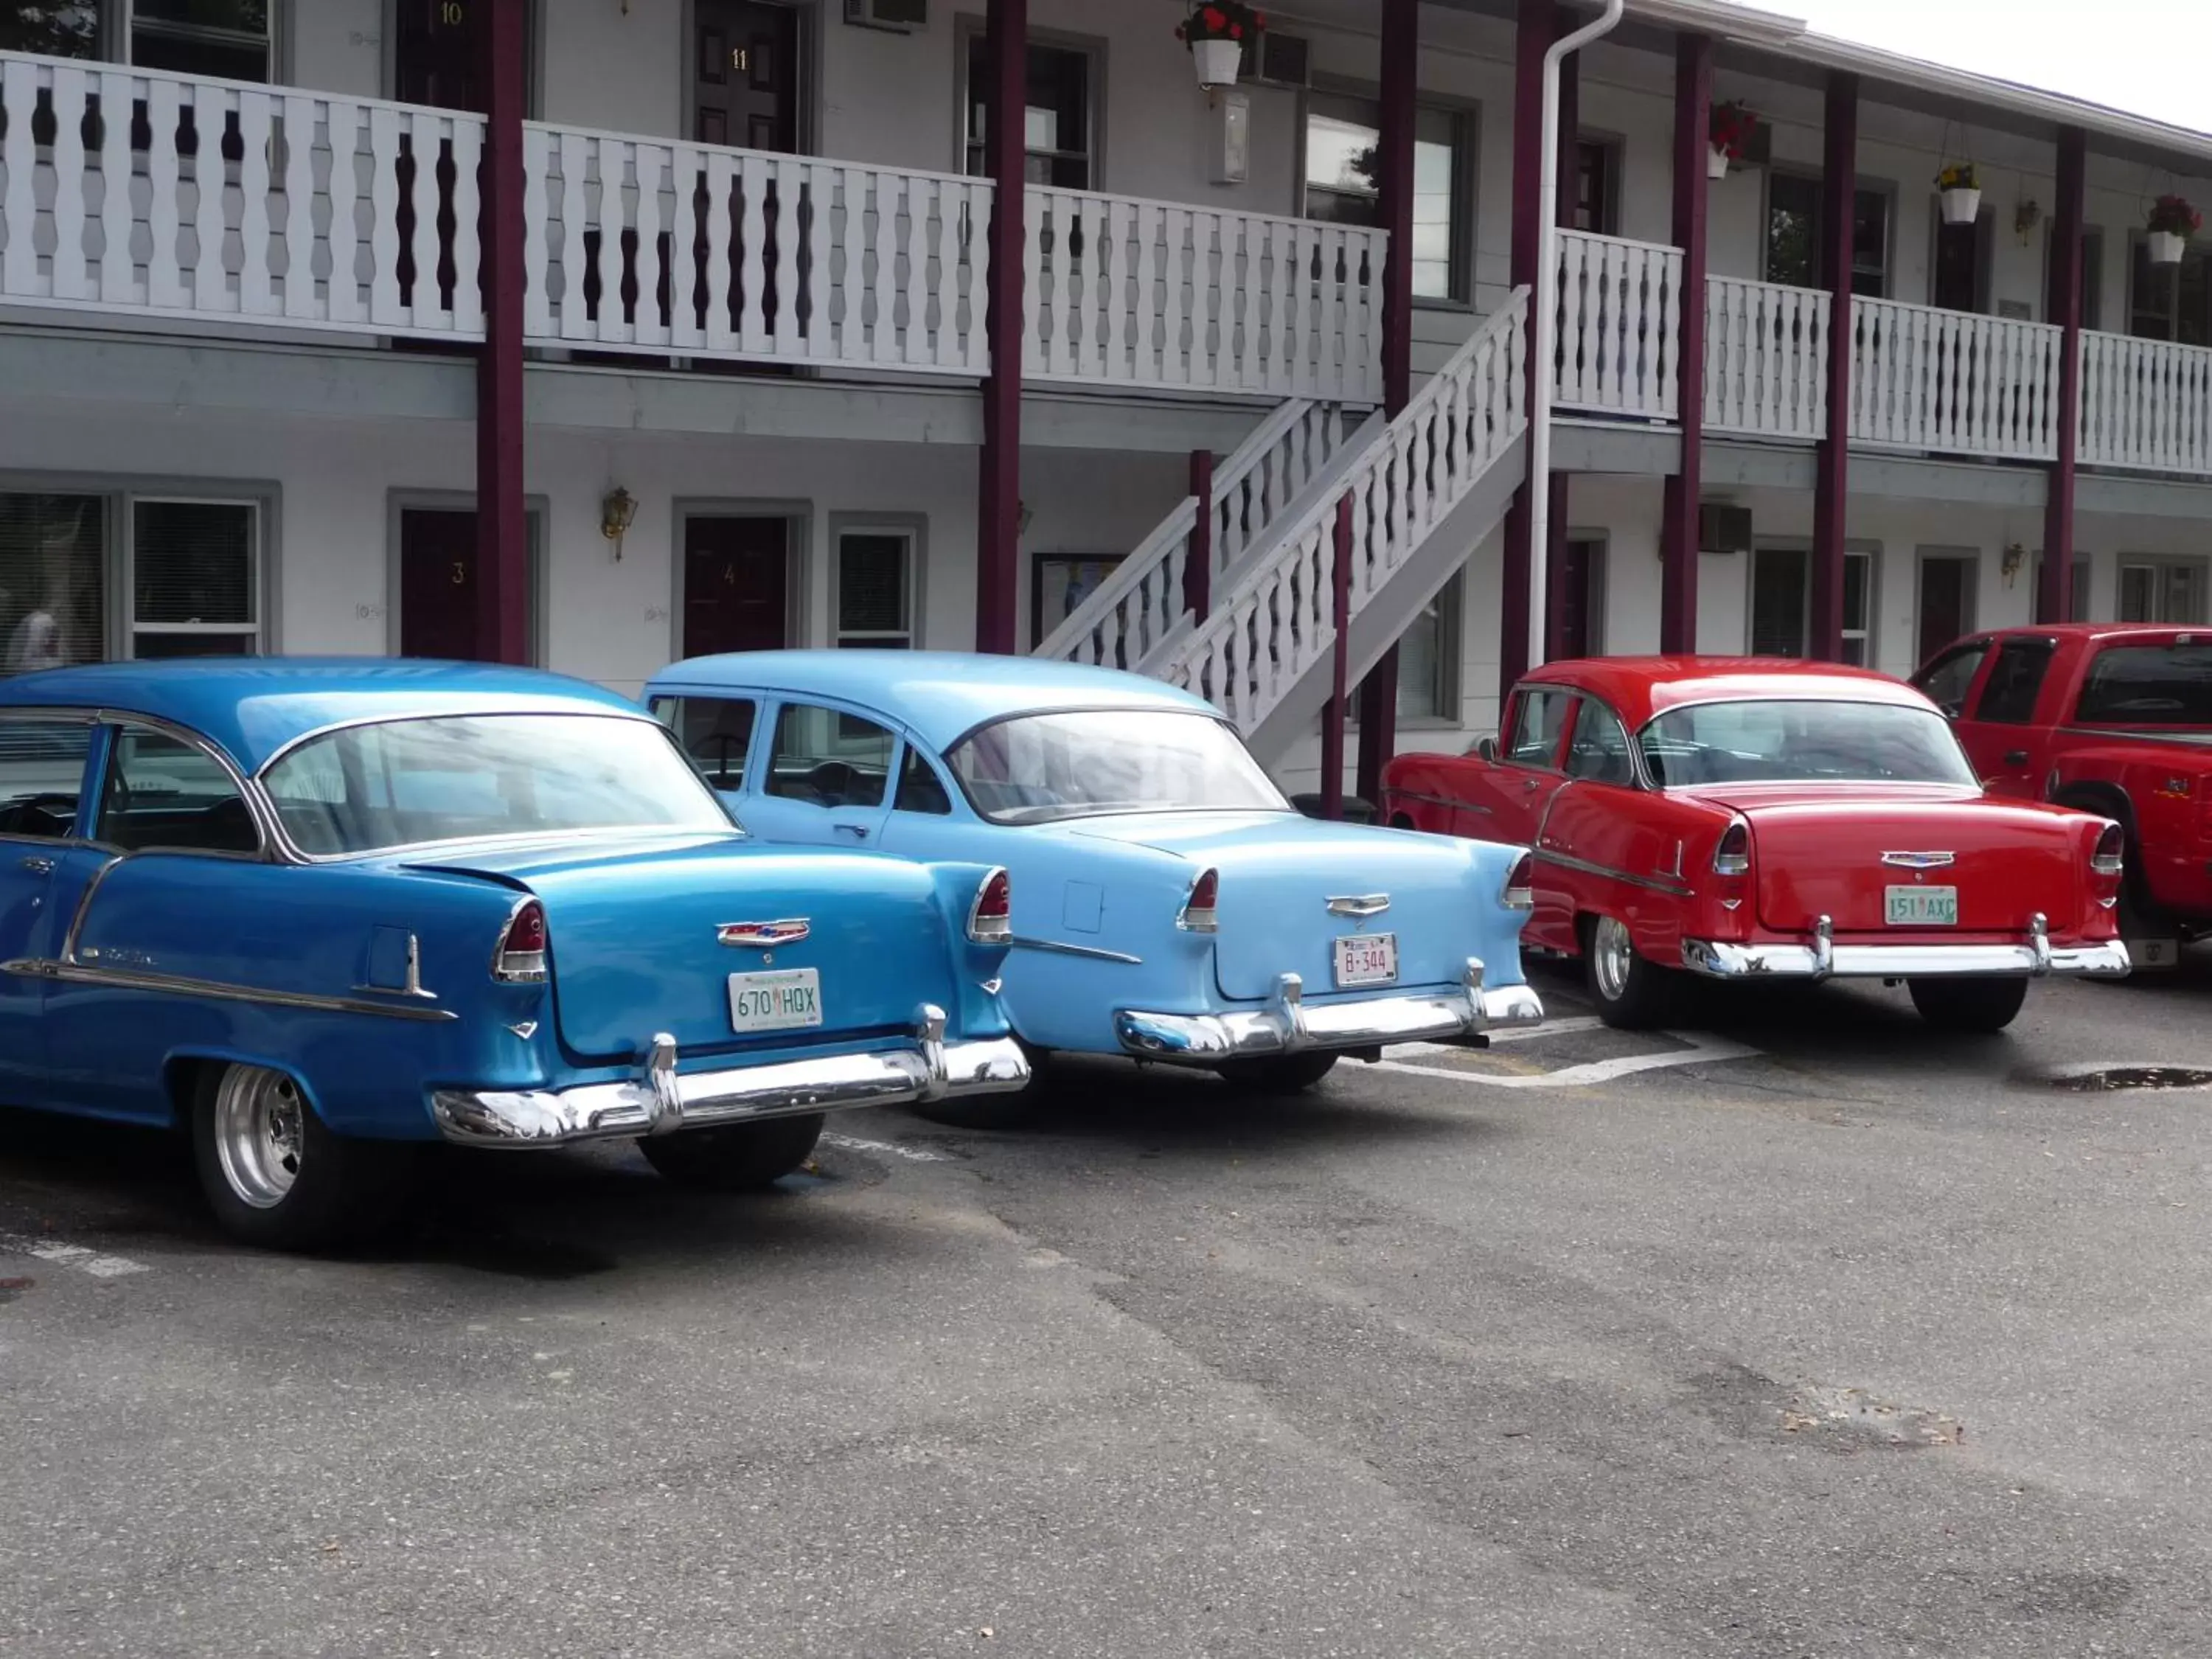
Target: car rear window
2149, 685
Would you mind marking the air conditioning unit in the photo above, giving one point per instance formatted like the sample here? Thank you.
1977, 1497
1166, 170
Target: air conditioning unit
903, 16
1723, 529
1286, 60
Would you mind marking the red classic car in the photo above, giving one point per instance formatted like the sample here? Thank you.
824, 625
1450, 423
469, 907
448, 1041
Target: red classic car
2114, 719
1739, 820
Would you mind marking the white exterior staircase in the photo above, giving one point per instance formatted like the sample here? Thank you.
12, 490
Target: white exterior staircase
1426, 490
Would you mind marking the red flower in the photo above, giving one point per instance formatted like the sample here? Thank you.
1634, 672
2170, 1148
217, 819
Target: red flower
1236, 31
1215, 17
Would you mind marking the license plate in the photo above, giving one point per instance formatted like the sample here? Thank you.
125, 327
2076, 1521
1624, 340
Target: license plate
1922, 907
789, 1002
1367, 959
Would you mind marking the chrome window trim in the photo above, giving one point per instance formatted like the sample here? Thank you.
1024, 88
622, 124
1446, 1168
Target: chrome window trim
640, 717
257, 806
35, 714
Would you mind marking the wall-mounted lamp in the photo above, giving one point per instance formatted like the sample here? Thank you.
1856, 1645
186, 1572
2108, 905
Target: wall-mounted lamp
2015, 560
618, 512
2025, 216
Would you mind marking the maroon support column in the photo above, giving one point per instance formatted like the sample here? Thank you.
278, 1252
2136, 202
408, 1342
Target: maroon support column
1401, 53
2054, 588
1557, 609
1332, 716
1678, 580
1198, 561
503, 622
1832, 481
1538, 27
999, 467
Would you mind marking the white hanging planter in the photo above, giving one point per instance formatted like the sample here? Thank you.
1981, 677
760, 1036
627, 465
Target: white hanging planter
1961, 207
1717, 162
2166, 247
1217, 61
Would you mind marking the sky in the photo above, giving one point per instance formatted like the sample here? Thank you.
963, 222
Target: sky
2148, 57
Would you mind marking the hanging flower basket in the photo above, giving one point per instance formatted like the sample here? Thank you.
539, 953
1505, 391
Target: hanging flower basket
2173, 223
1960, 193
1216, 33
1729, 132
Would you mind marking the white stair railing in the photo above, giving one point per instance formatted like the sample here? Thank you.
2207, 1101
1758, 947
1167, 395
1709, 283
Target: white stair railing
1137, 608
1279, 623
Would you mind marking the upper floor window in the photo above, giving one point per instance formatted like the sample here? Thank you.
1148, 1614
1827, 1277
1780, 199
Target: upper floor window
2093, 280
1795, 241
1059, 135
2171, 302
228, 38
1597, 186
1344, 138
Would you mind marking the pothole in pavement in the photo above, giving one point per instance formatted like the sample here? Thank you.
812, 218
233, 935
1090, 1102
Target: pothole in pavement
1862, 1419
2107, 1080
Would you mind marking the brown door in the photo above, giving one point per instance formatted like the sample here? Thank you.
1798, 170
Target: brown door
434, 53
746, 62
736, 584
1580, 588
438, 584
1947, 602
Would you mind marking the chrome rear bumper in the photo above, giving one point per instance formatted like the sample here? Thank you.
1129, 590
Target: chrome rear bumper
1289, 1023
662, 1100
1823, 958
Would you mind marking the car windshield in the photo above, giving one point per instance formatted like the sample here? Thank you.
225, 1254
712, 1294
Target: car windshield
1802, 742
1039, 768
403, 783
2149, 685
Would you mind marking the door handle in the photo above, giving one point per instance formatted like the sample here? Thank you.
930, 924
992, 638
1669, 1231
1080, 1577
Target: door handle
857, 832
39, 866
1528, 786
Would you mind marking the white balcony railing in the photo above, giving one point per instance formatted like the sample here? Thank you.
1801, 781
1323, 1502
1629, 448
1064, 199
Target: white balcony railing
2146, 405
126, 191
1767, 359
1154, 293
1620, 326
642, 246
1953, 382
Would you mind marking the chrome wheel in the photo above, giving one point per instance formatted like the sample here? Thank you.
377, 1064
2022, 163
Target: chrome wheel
1614, 957
260, 1134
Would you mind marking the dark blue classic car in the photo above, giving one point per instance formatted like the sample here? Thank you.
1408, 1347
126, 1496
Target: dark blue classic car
323, 912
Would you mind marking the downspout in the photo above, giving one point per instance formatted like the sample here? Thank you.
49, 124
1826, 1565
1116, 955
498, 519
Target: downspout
1544, 344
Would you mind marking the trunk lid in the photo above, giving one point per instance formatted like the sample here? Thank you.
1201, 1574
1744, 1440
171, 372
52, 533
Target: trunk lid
1279, 873
636, 933
1816, 856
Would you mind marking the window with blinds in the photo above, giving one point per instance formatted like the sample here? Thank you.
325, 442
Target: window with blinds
195, 578
875, 589
229, 38
53, 557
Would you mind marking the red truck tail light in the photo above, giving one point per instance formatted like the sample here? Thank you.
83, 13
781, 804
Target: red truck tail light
1198, 910
520, 958
1733, 856
991, 920
1519, 892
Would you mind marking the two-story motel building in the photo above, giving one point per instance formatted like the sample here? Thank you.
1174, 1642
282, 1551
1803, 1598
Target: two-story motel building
600, 333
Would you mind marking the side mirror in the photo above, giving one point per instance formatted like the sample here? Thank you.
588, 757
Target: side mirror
1485, 749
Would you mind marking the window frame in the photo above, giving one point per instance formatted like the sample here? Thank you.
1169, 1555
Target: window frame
1509, 729
1586, 704
1465, 115
781, 705
1614, 148
2138, 242
915, 528
107, 750
256, 582
116, 36
2014, 644
1861, 185
966, 26
95, 754
2163, 565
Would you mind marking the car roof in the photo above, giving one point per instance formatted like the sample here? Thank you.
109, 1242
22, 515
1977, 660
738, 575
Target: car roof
254, 707
2092, 631
940, 696
1641, 687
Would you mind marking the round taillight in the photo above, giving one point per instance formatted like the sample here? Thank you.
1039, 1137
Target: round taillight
1197, 911
1733, 856
1520, 885
992, 920
520, 958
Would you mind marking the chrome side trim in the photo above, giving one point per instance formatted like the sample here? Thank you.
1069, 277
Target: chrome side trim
1088, 953
2108, 734
132, 979
1567, 862
84, 906
1289, 1023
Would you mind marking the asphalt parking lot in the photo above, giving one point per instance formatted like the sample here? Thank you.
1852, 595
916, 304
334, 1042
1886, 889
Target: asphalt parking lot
1804, 1331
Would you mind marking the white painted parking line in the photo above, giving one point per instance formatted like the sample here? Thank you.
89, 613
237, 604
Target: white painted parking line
71, 1255
912, 1154
1549, 1028
1702, 1051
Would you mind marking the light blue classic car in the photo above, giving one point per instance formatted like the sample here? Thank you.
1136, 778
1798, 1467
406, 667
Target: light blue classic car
1169, 904
323, 912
